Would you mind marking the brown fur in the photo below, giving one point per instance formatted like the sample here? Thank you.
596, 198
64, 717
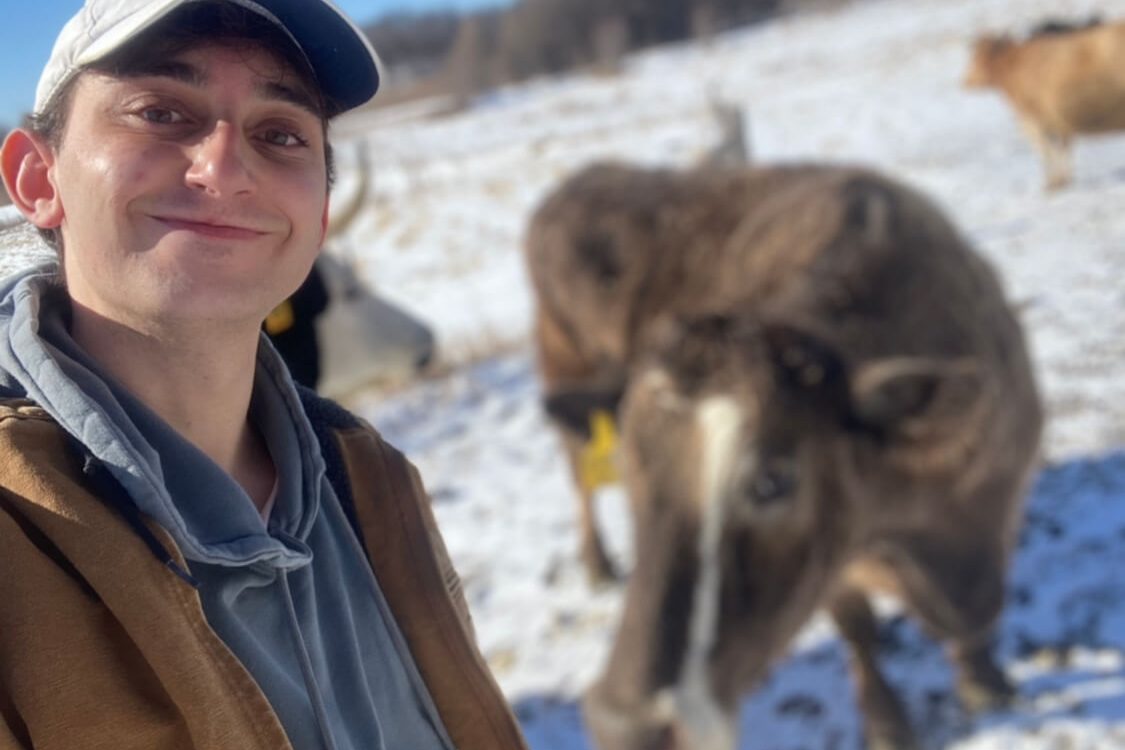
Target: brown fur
613, 250
1060, 85
889, 426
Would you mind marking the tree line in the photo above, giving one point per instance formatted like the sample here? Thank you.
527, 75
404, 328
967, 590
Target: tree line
534, 37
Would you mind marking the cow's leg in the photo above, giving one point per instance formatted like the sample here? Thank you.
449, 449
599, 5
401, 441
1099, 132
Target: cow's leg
1053, 152
885, 721
981, 685
599, 569
573, 387
1062, 156
957, 591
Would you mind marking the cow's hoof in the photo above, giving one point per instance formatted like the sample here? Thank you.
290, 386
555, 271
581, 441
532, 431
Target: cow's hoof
987, 692
885, 723
981, 686
900, 738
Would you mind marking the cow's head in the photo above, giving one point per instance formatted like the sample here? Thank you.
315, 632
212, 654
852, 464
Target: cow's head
752, 454
987, 51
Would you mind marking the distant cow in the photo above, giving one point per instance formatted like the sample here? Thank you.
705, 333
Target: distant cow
1060, 84
863, 418
611, 251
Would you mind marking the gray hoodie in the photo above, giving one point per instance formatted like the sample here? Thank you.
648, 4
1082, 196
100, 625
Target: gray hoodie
295, 599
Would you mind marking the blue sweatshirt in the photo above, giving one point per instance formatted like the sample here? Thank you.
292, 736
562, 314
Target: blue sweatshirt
295, 599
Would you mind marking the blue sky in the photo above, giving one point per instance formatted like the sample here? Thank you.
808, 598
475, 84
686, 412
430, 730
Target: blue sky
28, 29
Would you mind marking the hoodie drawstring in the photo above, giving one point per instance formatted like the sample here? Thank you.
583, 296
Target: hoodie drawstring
306, 667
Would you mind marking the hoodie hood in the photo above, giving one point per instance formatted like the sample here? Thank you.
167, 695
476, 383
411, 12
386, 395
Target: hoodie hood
208, 514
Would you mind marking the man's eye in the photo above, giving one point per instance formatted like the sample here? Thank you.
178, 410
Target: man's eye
161, 116
282, 138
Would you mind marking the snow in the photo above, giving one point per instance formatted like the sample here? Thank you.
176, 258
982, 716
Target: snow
877, 83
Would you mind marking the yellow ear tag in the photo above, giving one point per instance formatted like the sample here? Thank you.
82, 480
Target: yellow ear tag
598, 465
280, 319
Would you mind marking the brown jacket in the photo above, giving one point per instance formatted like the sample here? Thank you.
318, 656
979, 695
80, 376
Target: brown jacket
102, 647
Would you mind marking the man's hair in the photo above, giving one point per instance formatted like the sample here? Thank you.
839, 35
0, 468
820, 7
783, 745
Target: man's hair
188, 27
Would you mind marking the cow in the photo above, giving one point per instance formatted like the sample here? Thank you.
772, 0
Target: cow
859, 416
362, 338
610, 251
1060, 85
599, 275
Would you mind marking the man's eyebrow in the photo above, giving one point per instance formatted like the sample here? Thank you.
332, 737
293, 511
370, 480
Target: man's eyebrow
289, 94
177, 71
193, 76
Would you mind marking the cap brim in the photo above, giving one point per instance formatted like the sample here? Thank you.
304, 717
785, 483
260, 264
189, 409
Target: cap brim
345, 63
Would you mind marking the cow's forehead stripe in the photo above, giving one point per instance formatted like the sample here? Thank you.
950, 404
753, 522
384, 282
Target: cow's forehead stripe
719, 421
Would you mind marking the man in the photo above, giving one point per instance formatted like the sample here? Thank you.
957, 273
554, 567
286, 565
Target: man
195, 553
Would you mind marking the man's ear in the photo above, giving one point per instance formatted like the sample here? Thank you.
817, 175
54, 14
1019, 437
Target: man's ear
25, 163
887, 393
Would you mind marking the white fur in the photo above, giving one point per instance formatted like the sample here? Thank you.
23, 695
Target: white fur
698, 713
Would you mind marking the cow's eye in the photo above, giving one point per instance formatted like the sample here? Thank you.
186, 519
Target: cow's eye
774, 482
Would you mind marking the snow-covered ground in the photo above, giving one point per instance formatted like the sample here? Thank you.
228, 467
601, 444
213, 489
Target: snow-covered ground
878, 83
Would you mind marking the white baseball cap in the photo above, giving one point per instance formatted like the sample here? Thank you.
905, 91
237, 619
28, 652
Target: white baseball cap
338, 52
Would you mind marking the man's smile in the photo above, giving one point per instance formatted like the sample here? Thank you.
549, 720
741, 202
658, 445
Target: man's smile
223, 229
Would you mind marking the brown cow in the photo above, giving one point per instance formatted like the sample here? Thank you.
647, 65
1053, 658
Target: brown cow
607, 252
611, 251
1060, 85
863, 419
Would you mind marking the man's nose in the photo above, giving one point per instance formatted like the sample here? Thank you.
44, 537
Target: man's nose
219, 163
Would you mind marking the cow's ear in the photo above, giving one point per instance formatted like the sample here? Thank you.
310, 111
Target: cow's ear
889, 392
572, 407
802, 359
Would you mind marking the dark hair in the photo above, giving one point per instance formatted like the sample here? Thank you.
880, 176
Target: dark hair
194, 24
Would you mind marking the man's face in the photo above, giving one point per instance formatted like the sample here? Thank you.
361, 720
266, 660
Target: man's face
194, 194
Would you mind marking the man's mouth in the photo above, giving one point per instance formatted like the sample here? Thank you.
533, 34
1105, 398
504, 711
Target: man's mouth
210, 228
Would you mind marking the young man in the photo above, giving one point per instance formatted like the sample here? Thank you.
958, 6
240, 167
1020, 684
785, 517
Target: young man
194, 553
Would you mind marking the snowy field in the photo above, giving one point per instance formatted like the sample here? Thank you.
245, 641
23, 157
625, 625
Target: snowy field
876, 83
